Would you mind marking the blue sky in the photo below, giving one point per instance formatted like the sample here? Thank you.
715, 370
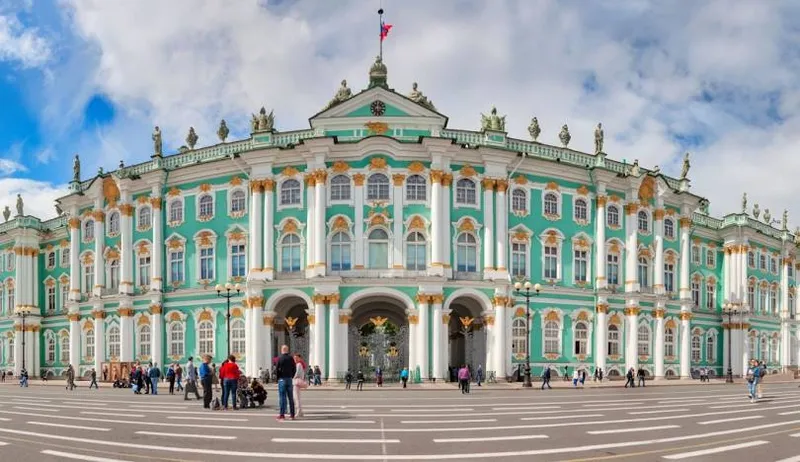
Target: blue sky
717, 78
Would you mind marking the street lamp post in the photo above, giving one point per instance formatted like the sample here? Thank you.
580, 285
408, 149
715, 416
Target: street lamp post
228, 296
22, 313
518, 288
731, 312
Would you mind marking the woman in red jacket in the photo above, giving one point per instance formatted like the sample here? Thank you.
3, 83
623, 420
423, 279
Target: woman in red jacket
229, 375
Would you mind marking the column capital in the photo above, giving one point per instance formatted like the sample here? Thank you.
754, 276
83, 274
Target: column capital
501, 300
658, 214
333, 299
99, 216
398, 179
156, 202
685, 315
447, 178
602, 308
423, 298
268, 320
257, 186
268, 184
601, 201
318, 299
502, 185
74, 223
685, 222
358, 179
156, 308
344, 318
658, 313
98, 314
631, 208
320, 176
488, 184
631, 311
413, 319
126, 210
73, 317
488, 320
436, 176
125, 312
437, 299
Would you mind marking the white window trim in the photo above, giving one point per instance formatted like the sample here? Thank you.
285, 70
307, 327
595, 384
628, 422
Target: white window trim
328, 190
427, 247
650, 278
560, 323
47, 259
427, 180
477, 235
650, 223
84, 222
522, 337
181, 320
85, 342
712, 251
64, 263
589, 261
329, 241
197, 198
61, 300
82, 272
588, 202
620, 217
46, 295
229, 242
229, 198
197, 247
48, 337
137, 267
510, 194
589, 335
167, 255
675, 232
675, 343
107, 263
139, 208
240, 354
711, 333
107, 223
559, 261
137, 337
197, 322
646, 325
512, 239
478, 192
559, 204
303, 192
110, 325
173, 224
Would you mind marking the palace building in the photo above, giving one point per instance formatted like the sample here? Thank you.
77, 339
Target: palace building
381, 237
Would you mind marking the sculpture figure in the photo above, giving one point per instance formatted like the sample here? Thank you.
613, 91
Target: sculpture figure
564, 136
785, 221
493, 121
686, 166
635, 170
222, 131
744, 203
417, 97
767, 216
20, 206
534, 130
265, 121
656, 170
100, 171
6, 213
342, 94
797, 235
157, 141
704, 207
254, 124
76, 169
58, 210
191, 138
756, 211
121, 164
598, 139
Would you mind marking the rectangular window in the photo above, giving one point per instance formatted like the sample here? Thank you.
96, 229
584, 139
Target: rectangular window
207, 264
669, 342
580, 266
65, 257
113, 274
751, 260
51, 298
550, 262
88, 278
238, 261
696, 254
144, 270
773, 301
613, 341
762, 299
669, 278
751, 297
710, 349
711, 259
612, 269
696, 294
762, 262
773, 265
519, 256
176, 266
710, 296
64, 295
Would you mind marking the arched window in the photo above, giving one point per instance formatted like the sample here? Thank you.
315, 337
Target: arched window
466, 253
176, 339
143, 270
51, 259
176, 260
378, 247
51, 350
89, 351
65, 257
519, 259
64, 349
711, 348
752, 345
88, 230
144, 218
465, 192
290, 192
643, 222
751, 259
581, 211
669, 277
378, 187
612, 216
581, 339
518, 343
580, 265
205, 338
340, 252
113, 342
644, 272
764, 350
643, 341
774, 350
519, 200
416, 188
613, 340
144, 341
416, 251
237, 337
551, 338
113, 223
340, 188
238, 201
113, 274
669, 228
206, 206
695, 348
290, 253
176, 211
773, 301
551, 204
669, 342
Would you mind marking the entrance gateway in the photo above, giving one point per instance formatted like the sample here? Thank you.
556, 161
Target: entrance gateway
378, 338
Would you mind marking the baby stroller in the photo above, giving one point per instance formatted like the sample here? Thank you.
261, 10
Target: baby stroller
244, 394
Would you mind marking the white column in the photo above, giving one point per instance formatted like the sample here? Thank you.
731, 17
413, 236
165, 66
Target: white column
100, 338
18, 348
358, 181
447, 180
600, 250
658, 241
397, 221
423, 341
320, 225
249, 338
310, 227
502, 226
37, 352
659, 344
500, 359
317, 347
268, 320
256, 340
413, 340
126, 352
334, 347
686, 300
488, 230
785, 342
20, 284
156, 335
158, 241
74, 341
729, 269
269, 232
437, 222
686, 341
126, 245
743, 340
33, 278
99, 248
631, 246
74, 259
255, 221
685, 286
343, 341
600, 335
631, 331
488, 325
726, 337
30, 364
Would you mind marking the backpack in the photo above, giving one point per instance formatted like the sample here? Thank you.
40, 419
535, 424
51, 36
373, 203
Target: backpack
762, 372
216, 405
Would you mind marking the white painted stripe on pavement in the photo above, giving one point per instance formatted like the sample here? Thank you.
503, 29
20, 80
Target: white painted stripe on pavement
632, 430
106, 414
42, 409
184, 435
627, 403
446, 421
332, 441
789, 413
795, 435
791, 459
732, 419
69, 455
489, 438
748, 404
705, 452
432, 411
659, 411
210, 419
581, 416
77, 427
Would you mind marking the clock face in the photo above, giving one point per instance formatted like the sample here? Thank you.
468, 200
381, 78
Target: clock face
377, 108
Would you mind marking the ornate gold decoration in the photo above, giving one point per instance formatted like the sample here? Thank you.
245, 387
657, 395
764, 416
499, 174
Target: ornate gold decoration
467, 225
358, 179
174, 192
437, 299
98, 215
291, 322
521, 235
552, 237
658, 214
377, 220
74, 223
340, 166
602, 308
174, 317
110, 191
236, 312
320, 176
416, 167
318, 299
500, 300
552, 315
413, 319
126, 210
466, 321
257, 186
488, 184
521, 179
125, 312
205, 316
290, 227
268, 184
685, 222
88, 258
445, 319
74, 317
488, 320
582, 190
551, 186
631, 311
205, 187
581, 243
340, 224
156, 203
236, 235
377, 163
143, 321
156, 308
583, 316
112, 254
436, 176
647, 190
658, 313
615, 319
175, 243
50, 283
377, 128
417, 223
685, 316
310, 180
378, 321
64, 279
268, 320
601, 201
144, 199
502, 185
333, 299
631, 208
467, 170
289, 171
311, 319
344, 319
204, 239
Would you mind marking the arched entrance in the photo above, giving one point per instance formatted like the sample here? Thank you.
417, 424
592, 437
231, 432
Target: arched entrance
290, 327
466, 336
378, 337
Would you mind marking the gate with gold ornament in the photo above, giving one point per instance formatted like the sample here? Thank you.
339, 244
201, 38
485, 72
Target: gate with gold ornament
378, 344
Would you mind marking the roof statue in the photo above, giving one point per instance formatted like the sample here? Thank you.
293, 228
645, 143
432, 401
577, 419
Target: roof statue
222, 131
686, 166
342, 94
756, 211
598, 138
767, 216
417, 97
564, 135
59, 211
20, 206
266, 122
76, 169
785, 221
6, 213
534, 130
191, 138
656, 170
744, 203
253, 124
121, 164
704, 207
100, 171
157, 141
493, 121
378, 73
635, 170
797, 235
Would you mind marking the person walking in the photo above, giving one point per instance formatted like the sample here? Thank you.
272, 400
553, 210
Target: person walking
629, 379
348, 379
205, 374
154, 375
23, 378
478, 375
179, 377
404, 376
762, 373
360, 381
317, 376
298, 383
70, 378
229, 373
284, 370
105, 373
641, 375
463, 379
753, 378
93, 377
546, 374
575, 378
215, 377
191, 380
171, 379
566, 373
583, 377
379, 377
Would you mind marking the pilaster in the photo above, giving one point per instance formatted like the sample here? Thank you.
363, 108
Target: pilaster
488, 229
157, 333
157, 278
600, 337
600, 247
99, 317
502, 228
269, 232
423, 340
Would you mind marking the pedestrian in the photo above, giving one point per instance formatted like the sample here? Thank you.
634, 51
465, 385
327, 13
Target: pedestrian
105, 373
601, 373
566, 373
205, 373
583, 377
379, 377
762, 373
70, 378
2, 376
404, 376
261, 374
641, 375
753, 376
178, 377
298, 383
575, 378
23, 378
154, 375
317, 376
284, 371
215, 377
191, 380
146, 378
463, 379
546, 374
348, 379
171, 379
360, 381
629, 379
229, 374
478, 375
93, 377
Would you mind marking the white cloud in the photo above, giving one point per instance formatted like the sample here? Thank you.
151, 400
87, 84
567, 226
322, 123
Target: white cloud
22, 45
10, 167
38, 196
183, 63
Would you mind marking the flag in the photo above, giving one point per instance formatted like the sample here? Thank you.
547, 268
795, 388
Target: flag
385, 28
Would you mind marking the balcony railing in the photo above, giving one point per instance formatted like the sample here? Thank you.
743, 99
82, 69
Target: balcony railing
379, 273
467, 275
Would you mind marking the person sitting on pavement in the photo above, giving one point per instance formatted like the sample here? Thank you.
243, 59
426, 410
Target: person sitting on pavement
259, 393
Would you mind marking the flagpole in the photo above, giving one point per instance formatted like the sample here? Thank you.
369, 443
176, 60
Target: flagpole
380, 34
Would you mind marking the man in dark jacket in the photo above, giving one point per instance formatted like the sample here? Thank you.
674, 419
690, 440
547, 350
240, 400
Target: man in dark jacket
285, 369
546, 374
629, 377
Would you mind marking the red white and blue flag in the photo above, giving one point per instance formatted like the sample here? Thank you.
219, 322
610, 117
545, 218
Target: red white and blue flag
385, 28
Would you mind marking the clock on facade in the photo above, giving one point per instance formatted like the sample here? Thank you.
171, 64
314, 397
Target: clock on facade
377, 108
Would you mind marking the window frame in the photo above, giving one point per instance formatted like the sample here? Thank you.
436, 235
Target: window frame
176, 206
616, 223
469, 247
462, 193
347, 186
374, 188
412, 198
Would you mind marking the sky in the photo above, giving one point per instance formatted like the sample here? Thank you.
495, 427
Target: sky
718, 79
